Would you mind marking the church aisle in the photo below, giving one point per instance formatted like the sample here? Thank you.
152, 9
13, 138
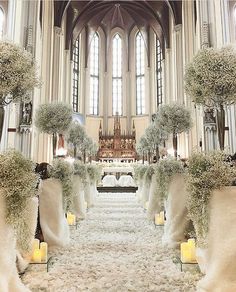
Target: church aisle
115, 249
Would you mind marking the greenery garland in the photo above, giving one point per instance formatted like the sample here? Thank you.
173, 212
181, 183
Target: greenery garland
94, 173
206, 173
63, 171
164, 172
18, 182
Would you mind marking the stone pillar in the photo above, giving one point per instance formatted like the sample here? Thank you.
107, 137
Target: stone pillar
178, 51
105, 102
128, 101
56, 82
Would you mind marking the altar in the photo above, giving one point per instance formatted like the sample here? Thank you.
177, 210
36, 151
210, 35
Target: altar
117, 147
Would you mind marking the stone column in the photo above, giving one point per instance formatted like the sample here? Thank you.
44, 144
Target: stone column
178, 50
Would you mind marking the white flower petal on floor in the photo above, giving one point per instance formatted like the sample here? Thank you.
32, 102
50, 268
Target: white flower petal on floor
115, 249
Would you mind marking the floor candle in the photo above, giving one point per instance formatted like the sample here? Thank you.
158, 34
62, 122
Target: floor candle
44, 251
185, 252
37, 256
192, 245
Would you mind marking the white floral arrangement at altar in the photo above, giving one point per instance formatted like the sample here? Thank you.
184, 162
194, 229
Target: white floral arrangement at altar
206, 173
164, 172
18, 184
94, 172
63, 171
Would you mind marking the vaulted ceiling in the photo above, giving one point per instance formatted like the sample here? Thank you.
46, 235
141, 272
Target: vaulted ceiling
108, 14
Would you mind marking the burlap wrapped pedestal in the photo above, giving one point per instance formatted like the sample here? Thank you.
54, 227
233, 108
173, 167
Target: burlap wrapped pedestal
9, 278
177, 220
52, 217
30, 215
154, 206
79, 197
221, 264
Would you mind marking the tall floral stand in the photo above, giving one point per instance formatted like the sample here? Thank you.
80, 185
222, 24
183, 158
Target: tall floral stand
79, 200
88, 194
9, 278
30, 215
221, 266
139, 191
154, 205
52, 217
93, 192
176, 212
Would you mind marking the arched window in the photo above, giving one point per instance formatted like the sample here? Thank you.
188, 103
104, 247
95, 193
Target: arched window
235, 21
76, 76
94, 75
140, 75
159, 59
117, 75
2, 18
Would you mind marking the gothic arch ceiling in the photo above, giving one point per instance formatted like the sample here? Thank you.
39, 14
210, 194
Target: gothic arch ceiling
108, 14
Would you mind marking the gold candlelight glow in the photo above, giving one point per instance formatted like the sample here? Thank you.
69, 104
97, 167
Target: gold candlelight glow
36, 256
39, 252
188, 251
44, 252
71, 219
160, 218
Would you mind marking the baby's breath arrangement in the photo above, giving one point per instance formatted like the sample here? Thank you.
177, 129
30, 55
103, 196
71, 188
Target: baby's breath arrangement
205, 173
149, 172
18, 182
80, 170
63, 171
139, 172
93, 172
164, 172
18, 72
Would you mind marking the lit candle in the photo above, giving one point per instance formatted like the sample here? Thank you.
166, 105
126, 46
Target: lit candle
37, 256
86, 205
159, 219
70, 219
162, 216
185, 252
44, 251
192, 245
36, 244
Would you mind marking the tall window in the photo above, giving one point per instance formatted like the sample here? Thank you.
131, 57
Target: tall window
1, 22
235, 21
94, 75
140, 75
117, 75
76, 75
159, 72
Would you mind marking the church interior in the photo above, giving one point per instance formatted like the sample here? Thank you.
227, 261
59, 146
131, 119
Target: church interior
117, 145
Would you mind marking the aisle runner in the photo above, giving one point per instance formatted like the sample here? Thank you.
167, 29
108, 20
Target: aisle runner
116, 249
